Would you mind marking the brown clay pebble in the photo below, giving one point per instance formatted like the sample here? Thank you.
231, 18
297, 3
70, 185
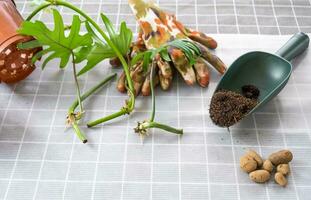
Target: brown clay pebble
247, 163
281, 157
250, 91
267, 165
280, 179
228, 108
283, 168
259, 176
256, 157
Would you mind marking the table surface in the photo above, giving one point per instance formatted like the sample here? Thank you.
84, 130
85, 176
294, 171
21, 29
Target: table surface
39, 159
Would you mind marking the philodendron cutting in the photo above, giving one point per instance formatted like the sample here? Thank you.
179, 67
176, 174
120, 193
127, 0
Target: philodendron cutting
91, 46
141, 60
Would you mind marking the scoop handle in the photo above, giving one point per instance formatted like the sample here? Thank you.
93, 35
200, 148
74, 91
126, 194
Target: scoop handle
297, 44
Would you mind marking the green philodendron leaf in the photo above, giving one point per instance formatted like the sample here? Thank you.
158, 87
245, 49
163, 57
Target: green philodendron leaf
164, 55
101, 51
56, 43
147, 59
138, 57
95, 55
92, 32
29, 45
108, 24
190, 50
121, 40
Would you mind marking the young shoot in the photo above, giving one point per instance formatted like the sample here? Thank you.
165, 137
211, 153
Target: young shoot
191, 52
142, 127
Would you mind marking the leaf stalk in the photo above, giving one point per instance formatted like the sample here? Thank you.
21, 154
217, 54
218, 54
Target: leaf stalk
77, 82
73, 117
131, 102
142, 127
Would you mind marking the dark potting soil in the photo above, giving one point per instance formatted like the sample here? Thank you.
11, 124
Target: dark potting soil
227, 107
250, 91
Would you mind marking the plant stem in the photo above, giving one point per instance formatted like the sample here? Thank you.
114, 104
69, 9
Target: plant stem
90, 91
124, 110
79, 132
107, 118
131, 103
163, 127
152, 93
37, 10
76, 82
72, 108
144, 126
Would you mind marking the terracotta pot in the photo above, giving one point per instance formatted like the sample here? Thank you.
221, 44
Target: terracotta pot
15, 64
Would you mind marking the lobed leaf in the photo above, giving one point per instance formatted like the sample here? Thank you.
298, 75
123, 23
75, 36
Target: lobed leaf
101, 51
121, 40
55, 42
96, 54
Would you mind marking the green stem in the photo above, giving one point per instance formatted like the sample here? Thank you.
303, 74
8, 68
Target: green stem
74, 105
79, 132
107, 118
142, 127
163, 127
37, 10
123, 111
90, 91
131, 102
152, 93
77, 82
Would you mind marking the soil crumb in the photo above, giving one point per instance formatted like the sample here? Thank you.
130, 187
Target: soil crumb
250, 91
227, 107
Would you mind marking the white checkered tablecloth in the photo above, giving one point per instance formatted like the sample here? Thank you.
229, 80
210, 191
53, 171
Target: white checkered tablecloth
39, 159
211, 16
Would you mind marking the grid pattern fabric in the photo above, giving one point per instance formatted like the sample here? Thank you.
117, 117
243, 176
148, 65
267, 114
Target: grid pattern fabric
41, 159
213, 16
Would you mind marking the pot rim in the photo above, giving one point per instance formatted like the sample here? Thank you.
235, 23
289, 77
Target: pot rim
10, 40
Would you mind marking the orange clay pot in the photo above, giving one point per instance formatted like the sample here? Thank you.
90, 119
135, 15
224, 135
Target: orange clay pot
15, 64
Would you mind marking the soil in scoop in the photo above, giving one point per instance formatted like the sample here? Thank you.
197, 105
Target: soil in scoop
227, 107
250, 91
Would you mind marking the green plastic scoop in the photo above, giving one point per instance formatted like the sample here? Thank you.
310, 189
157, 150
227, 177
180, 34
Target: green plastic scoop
268, 72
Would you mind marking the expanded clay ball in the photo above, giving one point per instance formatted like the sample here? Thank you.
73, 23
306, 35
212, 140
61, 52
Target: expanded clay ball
267, 165
247, 163
283, 168
260, 176
280, 179
281, 157
256, 157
